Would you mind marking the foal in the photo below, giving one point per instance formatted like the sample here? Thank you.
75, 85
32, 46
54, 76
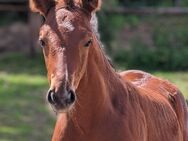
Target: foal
93, 101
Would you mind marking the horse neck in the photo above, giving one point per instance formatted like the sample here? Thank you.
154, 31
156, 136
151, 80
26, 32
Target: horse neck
97, 89
97, 99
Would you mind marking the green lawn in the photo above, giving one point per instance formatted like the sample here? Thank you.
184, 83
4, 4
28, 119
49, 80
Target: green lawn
24, 113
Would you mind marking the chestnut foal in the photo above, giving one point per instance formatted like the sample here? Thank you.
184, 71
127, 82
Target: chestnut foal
93, 101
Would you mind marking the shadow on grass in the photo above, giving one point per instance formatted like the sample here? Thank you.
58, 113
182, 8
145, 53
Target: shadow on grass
24, 115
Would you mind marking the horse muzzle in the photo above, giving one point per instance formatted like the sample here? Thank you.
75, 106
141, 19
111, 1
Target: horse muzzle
61, 102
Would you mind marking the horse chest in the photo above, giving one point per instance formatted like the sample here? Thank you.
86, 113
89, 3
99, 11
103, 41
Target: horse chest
117, 130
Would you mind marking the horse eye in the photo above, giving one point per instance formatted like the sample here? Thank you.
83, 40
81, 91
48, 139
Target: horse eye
88, 43
42, 43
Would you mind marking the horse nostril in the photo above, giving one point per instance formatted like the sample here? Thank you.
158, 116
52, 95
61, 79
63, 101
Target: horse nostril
51, 97
72, 96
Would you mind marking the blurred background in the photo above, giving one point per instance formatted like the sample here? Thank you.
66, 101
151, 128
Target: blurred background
150, 35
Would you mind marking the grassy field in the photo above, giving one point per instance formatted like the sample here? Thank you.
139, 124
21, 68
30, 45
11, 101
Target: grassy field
24, 114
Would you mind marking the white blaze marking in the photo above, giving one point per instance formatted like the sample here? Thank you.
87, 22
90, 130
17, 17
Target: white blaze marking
68, 25
66, 73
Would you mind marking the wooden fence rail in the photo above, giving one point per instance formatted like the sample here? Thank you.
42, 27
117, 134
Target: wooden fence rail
12, 7
149, 11
32, 20
23, 7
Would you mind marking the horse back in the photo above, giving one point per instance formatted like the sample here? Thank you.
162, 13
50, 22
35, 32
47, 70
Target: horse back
159, 89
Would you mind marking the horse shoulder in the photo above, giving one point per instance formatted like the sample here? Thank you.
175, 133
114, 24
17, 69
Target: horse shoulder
152, 84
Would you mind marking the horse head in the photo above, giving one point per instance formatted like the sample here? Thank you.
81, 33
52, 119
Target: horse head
65, 38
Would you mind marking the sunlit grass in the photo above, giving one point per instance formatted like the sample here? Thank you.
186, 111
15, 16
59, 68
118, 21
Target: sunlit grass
23, 110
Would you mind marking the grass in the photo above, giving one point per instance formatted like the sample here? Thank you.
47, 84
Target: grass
24, 114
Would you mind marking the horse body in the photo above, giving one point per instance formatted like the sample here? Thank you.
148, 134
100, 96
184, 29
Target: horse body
129, 106
161, 99
94, 102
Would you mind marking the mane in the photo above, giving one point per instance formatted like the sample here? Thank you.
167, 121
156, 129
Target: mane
94, 25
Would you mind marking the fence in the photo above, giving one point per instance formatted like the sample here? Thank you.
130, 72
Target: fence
22, 6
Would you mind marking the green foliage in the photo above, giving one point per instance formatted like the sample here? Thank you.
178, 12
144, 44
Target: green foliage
151, 3
184, 3
167, 50
109, 26
132, 21
172, 36
172, 43
139, 56
141, 3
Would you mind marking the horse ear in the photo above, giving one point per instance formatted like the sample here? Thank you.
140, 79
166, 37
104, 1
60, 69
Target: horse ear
91, 5
41, 6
